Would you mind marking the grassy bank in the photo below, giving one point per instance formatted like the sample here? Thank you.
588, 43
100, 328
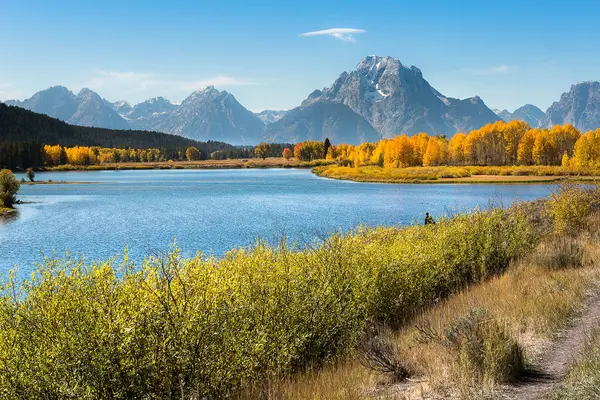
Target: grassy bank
271, 162
468, 174
522, 310
212, 327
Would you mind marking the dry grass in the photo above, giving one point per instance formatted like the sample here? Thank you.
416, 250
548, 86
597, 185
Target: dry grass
271, 162
532, 302
467, 174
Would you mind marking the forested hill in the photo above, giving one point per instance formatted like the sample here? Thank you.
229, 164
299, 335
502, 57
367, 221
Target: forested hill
21, 125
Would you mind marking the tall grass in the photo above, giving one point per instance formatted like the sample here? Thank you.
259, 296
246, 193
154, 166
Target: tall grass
207, 327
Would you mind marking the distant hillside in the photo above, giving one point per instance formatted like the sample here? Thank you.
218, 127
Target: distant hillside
20, 125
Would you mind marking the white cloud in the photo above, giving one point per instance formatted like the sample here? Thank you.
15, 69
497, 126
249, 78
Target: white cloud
496, 70
345, 34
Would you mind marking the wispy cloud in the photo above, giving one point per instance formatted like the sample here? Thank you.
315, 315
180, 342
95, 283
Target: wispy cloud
135, 82
8, 92
345, 34
496, 70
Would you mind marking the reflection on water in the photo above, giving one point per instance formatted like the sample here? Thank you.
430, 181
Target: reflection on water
215, 210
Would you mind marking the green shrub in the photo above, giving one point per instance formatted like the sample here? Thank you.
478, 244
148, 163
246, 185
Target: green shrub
203, 327
9, 186
570, 204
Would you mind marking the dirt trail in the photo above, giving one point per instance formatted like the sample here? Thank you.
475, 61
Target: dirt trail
553, 364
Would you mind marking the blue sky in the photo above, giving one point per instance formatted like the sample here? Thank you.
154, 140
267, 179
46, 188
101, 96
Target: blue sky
509, 53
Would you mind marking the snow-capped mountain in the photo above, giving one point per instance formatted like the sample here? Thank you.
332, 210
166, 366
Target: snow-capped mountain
503, 114
396, 99
270, 116
150, 114
380, 98
122, 107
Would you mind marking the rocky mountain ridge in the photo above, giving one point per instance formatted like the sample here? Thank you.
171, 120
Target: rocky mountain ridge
381, 97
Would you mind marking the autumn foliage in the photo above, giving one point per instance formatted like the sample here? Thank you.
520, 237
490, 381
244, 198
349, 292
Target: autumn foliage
81, 155
309, 150
262, 150
497, 144
287, 153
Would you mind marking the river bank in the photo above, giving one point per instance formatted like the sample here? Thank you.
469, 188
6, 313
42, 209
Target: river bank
468, 175
202, 164
203, 320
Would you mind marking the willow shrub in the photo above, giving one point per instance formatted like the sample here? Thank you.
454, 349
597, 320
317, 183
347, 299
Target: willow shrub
204, 327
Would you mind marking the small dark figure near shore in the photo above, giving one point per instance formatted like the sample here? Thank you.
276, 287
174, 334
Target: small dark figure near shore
429, 219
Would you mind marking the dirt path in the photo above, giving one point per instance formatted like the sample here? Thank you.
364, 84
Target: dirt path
552, 366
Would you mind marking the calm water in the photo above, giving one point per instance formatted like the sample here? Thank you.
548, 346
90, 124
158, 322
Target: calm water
213, 211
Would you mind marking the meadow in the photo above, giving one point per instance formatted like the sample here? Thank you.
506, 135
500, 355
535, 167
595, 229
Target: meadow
211, 327
464, 174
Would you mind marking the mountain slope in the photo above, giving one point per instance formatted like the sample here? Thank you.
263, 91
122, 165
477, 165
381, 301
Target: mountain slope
149, 114
85, 109
530, 114
210, 114
56, 101
270, 116
18, 124
579, 107
320, 120
92, 110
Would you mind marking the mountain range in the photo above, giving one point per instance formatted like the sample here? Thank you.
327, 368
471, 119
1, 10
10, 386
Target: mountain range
381, 97
580, 107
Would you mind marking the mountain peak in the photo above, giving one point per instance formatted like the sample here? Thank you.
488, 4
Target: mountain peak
377, 62
58, 89
158, 99
88, 93
395, 99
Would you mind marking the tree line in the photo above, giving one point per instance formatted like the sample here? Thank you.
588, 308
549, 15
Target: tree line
498, 144
24, 133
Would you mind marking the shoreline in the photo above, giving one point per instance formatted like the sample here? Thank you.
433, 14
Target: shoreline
273, 162
474, 178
